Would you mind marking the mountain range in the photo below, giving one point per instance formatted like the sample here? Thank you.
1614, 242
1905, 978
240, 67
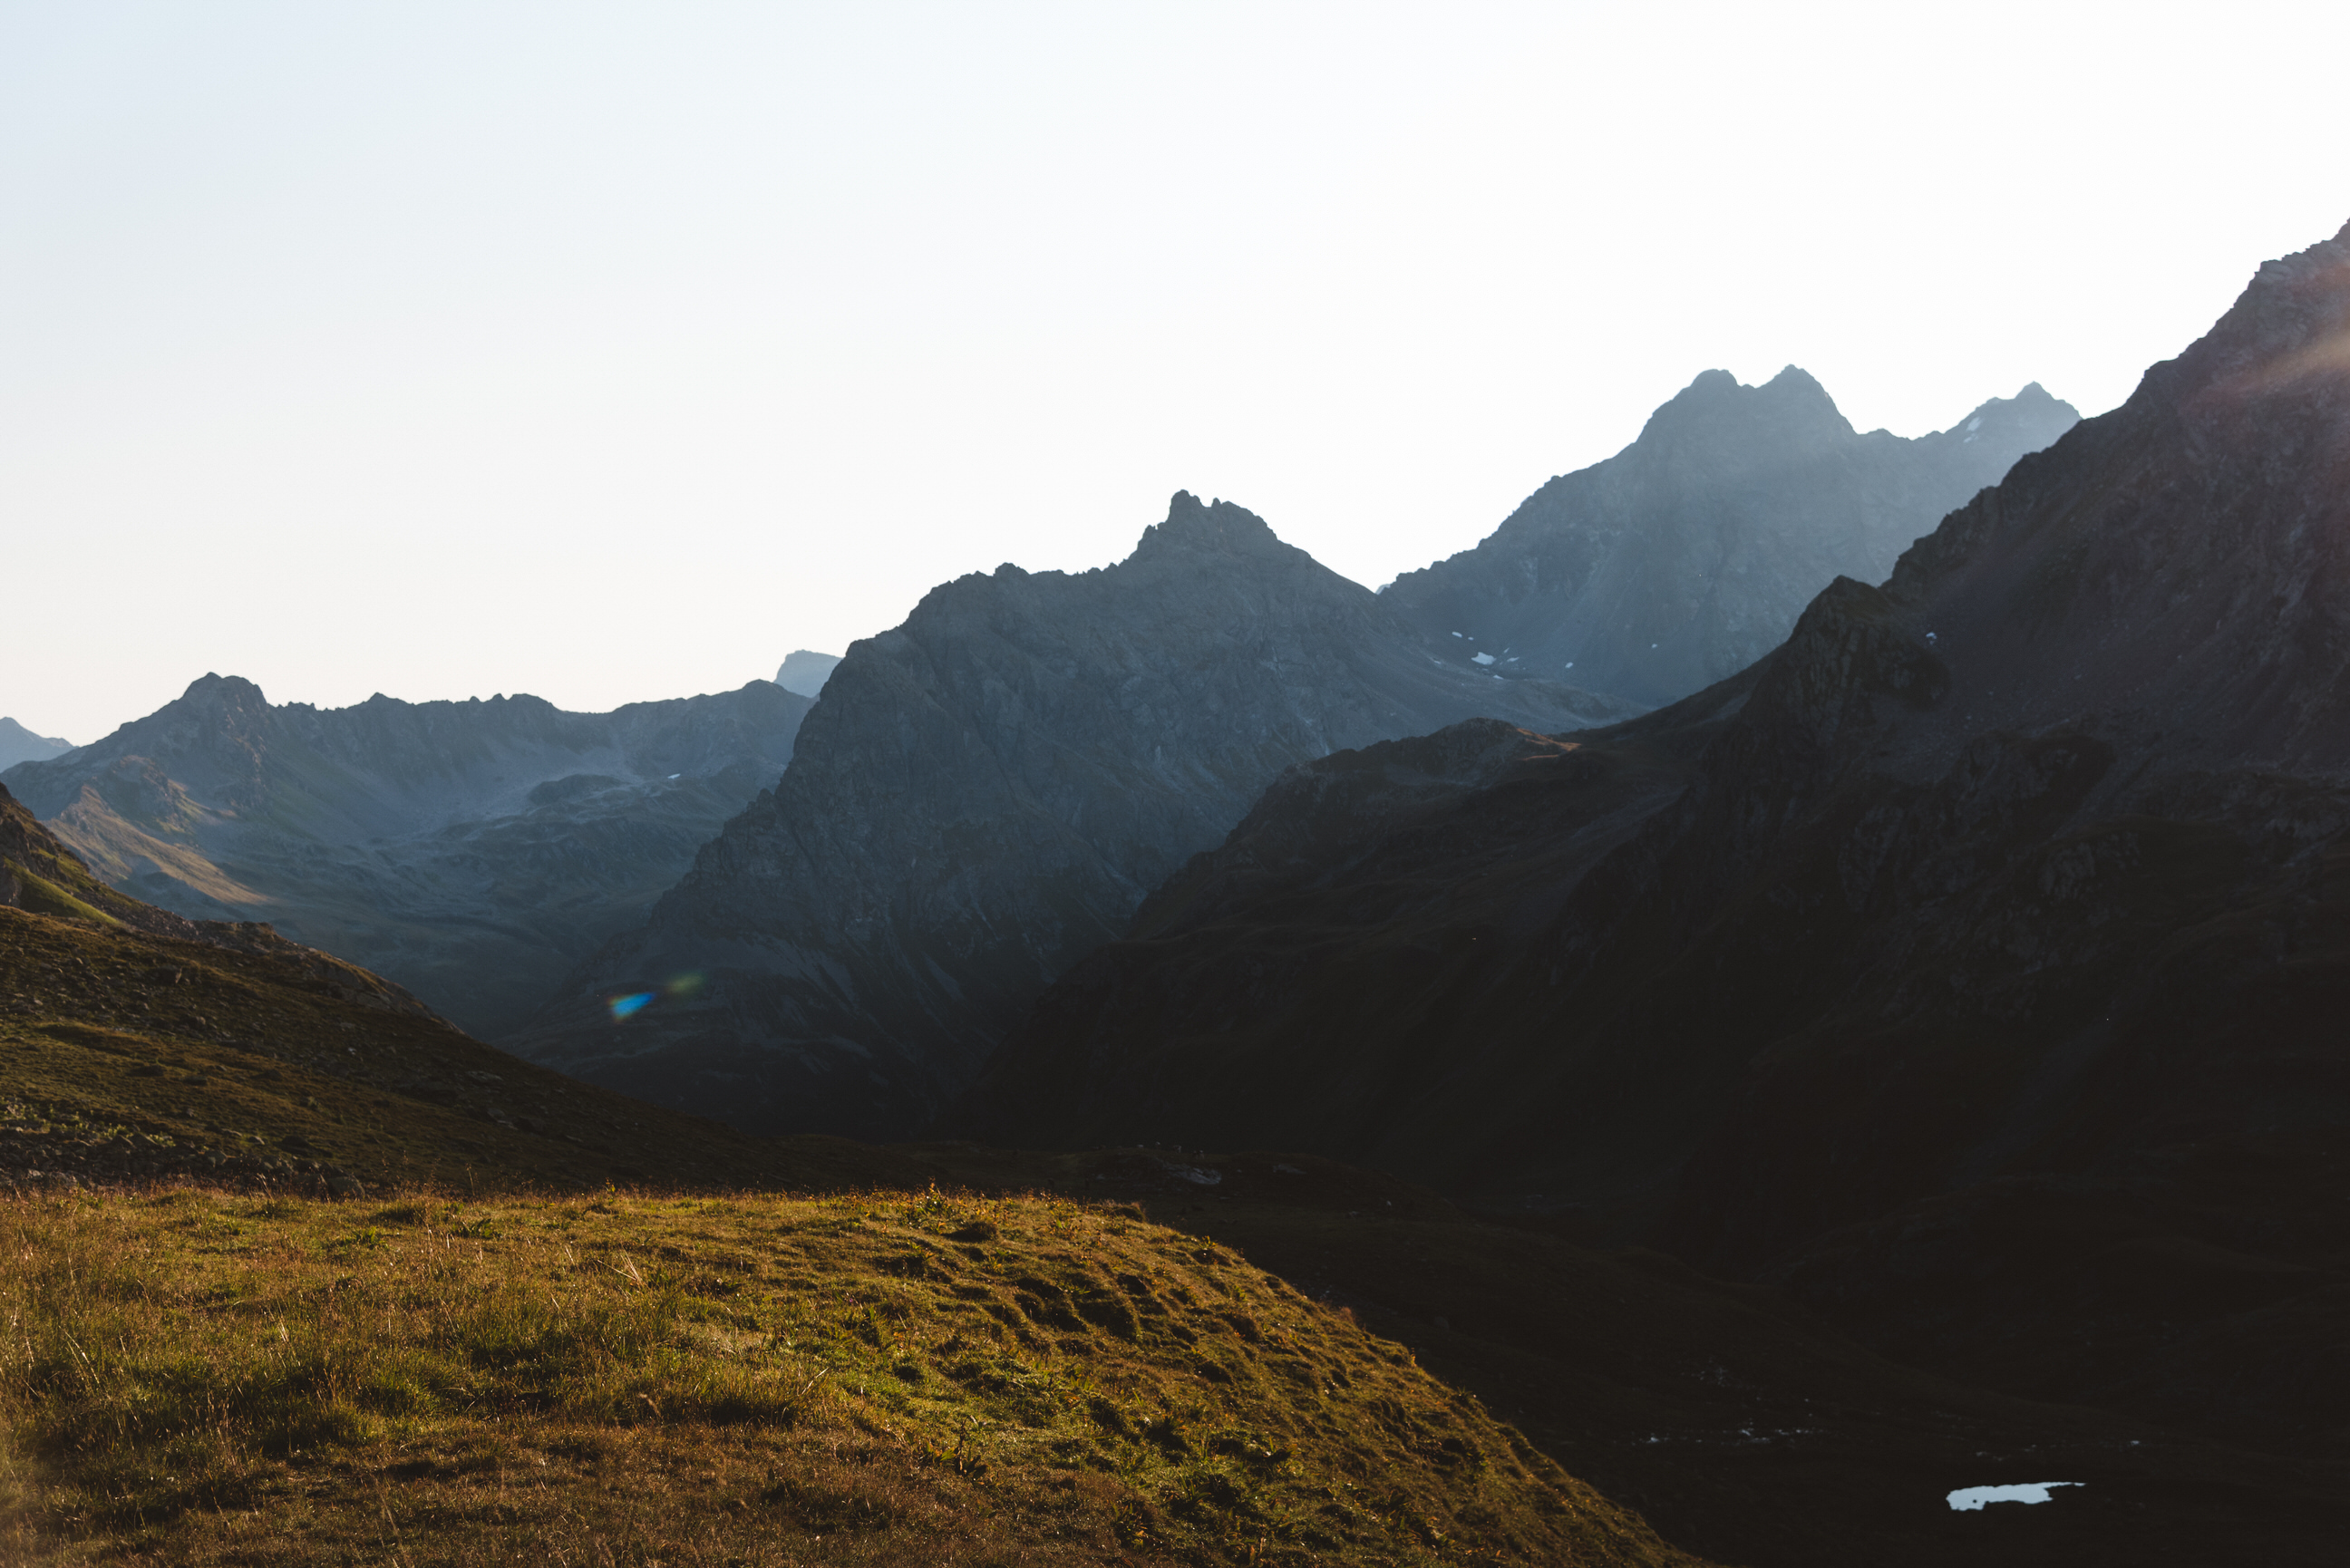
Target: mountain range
1961, 977
1971, 965
982, 796
478, 854
1688, 556
472, 851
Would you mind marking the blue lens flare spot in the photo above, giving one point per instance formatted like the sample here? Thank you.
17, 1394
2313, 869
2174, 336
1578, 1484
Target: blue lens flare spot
636, 1002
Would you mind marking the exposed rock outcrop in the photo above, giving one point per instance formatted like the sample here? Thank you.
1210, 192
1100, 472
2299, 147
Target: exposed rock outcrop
1688, 555
472, 851
984, 796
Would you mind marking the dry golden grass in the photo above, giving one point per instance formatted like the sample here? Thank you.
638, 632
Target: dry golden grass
882, 1377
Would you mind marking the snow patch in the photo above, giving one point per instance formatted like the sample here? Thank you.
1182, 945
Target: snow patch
1971, 1499
1481, 658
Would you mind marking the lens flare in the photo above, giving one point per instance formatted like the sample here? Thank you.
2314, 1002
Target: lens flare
634, 1001
683, 985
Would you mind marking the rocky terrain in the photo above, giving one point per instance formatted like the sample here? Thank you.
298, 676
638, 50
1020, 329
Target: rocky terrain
18, 744
1688, 555
472, 851
1972, 965
984, 796
805, 672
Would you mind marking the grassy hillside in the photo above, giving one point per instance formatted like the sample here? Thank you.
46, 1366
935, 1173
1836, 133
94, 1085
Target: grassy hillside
126, 1054
869, 1377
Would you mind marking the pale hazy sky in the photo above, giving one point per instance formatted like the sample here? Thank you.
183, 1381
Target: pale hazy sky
610, 352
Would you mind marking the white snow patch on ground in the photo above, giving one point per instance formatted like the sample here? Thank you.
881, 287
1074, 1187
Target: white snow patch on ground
1972, 1498
1481, 658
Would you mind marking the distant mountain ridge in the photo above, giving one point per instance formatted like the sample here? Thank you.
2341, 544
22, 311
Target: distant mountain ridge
472, 851
18, 744
1688, 555
982, 796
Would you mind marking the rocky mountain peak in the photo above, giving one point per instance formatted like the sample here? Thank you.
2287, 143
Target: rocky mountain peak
1725, 413
1688, 555
1213, 528
231, 690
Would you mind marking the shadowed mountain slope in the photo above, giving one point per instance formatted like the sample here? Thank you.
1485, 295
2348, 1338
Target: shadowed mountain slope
982, 796
472, 851
1688, 556
1978, 974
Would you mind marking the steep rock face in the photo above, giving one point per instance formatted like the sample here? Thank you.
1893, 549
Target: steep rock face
18, 744
472, 851
1976, 967
984, 796
1688, 555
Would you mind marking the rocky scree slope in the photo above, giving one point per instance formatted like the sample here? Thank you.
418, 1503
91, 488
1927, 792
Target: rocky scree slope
1688, 555
1980, 977
473, 851
982, 796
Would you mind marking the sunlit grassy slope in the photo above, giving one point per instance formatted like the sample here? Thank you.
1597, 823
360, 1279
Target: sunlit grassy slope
873, 1377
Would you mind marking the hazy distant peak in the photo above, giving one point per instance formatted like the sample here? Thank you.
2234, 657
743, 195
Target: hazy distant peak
1794, 379
2033, 414
1791, 403
805, 671
18, 744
